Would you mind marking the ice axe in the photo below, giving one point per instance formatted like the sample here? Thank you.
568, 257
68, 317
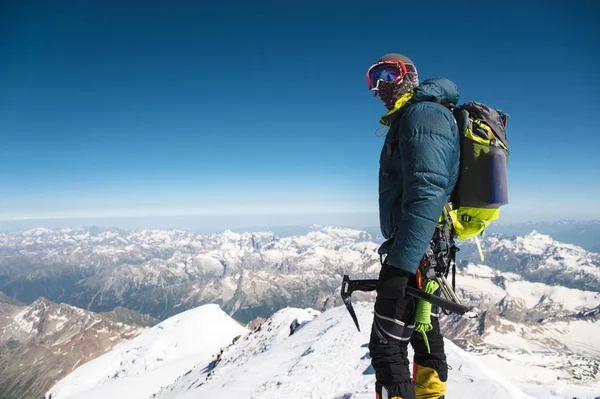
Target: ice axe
349, 286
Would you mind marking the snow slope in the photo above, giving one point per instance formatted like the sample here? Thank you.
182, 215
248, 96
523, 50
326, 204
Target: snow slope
155, 358
323, 358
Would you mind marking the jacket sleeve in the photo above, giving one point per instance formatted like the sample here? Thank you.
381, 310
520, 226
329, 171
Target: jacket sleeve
428, 147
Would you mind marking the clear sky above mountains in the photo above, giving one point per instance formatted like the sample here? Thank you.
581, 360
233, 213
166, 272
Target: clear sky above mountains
154, 108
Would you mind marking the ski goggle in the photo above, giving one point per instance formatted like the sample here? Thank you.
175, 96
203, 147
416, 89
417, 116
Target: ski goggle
386, 71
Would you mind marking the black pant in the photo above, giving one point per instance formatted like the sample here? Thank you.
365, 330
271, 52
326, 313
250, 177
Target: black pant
392, 330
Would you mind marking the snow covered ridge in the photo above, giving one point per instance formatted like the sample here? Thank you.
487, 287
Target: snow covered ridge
324, 358
153, 359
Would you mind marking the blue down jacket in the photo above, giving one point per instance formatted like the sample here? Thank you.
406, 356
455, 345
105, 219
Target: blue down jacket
419, 167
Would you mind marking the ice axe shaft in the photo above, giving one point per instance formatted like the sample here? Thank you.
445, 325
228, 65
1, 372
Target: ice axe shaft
438, 301
349, 286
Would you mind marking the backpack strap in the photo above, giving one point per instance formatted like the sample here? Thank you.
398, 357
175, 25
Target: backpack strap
448, 224
446, 211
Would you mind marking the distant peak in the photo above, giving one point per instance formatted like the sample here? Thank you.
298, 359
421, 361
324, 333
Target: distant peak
535, 243
41, 301
538, 236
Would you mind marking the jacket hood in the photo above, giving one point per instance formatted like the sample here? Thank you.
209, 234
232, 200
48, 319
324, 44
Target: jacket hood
441, 88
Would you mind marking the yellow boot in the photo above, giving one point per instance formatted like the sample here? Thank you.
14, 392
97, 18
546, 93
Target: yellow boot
428, 384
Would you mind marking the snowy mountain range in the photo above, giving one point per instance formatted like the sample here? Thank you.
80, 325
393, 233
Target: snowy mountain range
585, 234
294, 354
539, 298
42, 342
537, 257
162, 273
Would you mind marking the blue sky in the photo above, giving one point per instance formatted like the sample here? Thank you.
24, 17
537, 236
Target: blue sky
158, 108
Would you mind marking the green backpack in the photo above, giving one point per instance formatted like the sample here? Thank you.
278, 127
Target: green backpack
482, 186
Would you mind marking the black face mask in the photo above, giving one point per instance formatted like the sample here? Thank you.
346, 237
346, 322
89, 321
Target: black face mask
390, 92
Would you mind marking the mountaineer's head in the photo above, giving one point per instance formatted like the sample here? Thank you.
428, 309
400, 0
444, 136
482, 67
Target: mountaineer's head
391, 77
